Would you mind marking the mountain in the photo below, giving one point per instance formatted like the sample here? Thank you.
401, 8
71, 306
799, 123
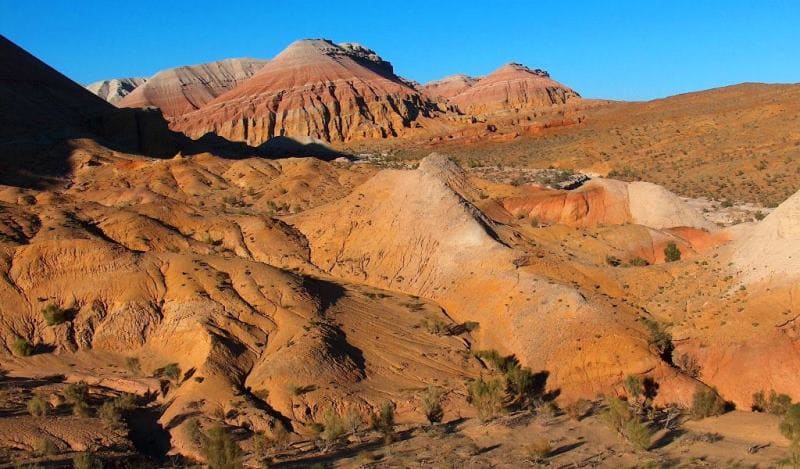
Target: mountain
35, 98
511, 87
450, 86
180, 90
314, 88
115, 89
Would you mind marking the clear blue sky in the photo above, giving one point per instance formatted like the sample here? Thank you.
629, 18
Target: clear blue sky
610, 49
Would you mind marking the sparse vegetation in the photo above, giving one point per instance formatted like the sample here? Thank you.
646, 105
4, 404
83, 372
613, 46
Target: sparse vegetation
619, 417
537, 451
383, 420
578, 409
172, 371
486, 395
86, 461
688, 364
193, 431
671, 252
45, 446
76, 395
774, 403
38, 407
133, 365
660, 339
431, 405
334, 427
220, 450
790, 428
53, 315
21, 347
111, 415
706, 403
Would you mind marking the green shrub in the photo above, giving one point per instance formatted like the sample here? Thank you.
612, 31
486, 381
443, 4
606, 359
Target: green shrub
111, 415
790, 425
53, 315
45, 447
486, 395
21, 347
193, 431
671, 252
431, 404
38, 407
172, 371
777, 404
706, 403
133, 365
86, 461
383, 420
688, 364
619, 417
637, 261
334, 427
77, 394
660, 339
220, 451
353, 422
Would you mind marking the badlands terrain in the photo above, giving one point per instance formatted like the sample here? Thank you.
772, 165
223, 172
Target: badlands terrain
312, 261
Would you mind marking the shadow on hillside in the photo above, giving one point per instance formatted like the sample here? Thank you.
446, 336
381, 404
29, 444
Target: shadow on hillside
40, 157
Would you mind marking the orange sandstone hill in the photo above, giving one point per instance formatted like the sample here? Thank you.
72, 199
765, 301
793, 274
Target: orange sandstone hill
183, 89
511, 87
318, 89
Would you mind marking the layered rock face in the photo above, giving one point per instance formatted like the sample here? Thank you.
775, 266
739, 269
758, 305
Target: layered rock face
511, 87
180, 90
450, 86
314, 88
608, 202
115, 89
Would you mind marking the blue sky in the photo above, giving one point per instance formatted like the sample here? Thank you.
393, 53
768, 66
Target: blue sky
606, 49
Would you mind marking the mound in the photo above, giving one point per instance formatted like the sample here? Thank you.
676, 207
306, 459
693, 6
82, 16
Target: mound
608, 202
314, 88
180, 90
511, 87
770, 251
115, 89
418, 232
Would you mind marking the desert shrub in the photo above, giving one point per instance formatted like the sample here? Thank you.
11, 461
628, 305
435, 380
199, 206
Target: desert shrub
435, 326
537, 451
76, 395
334, 426
45, 447
775, 403
790, 428
660, 339
220, 451
688, 364
671, 252
486, 395
637, 433
613, 261
431, 404
172, 371
499, 362
193, 431
133, 365
53, 315
38, 407
86, 461
706, 403
619, 417
637, 261
519, 381
261, 445
21, 347
578, 409
353, 422
111, 415
383, 420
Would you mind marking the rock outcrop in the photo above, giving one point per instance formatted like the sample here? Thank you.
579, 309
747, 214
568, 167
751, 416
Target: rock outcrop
180, 90
314, 88
608, 202
511, 87
115, 89
770, 251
